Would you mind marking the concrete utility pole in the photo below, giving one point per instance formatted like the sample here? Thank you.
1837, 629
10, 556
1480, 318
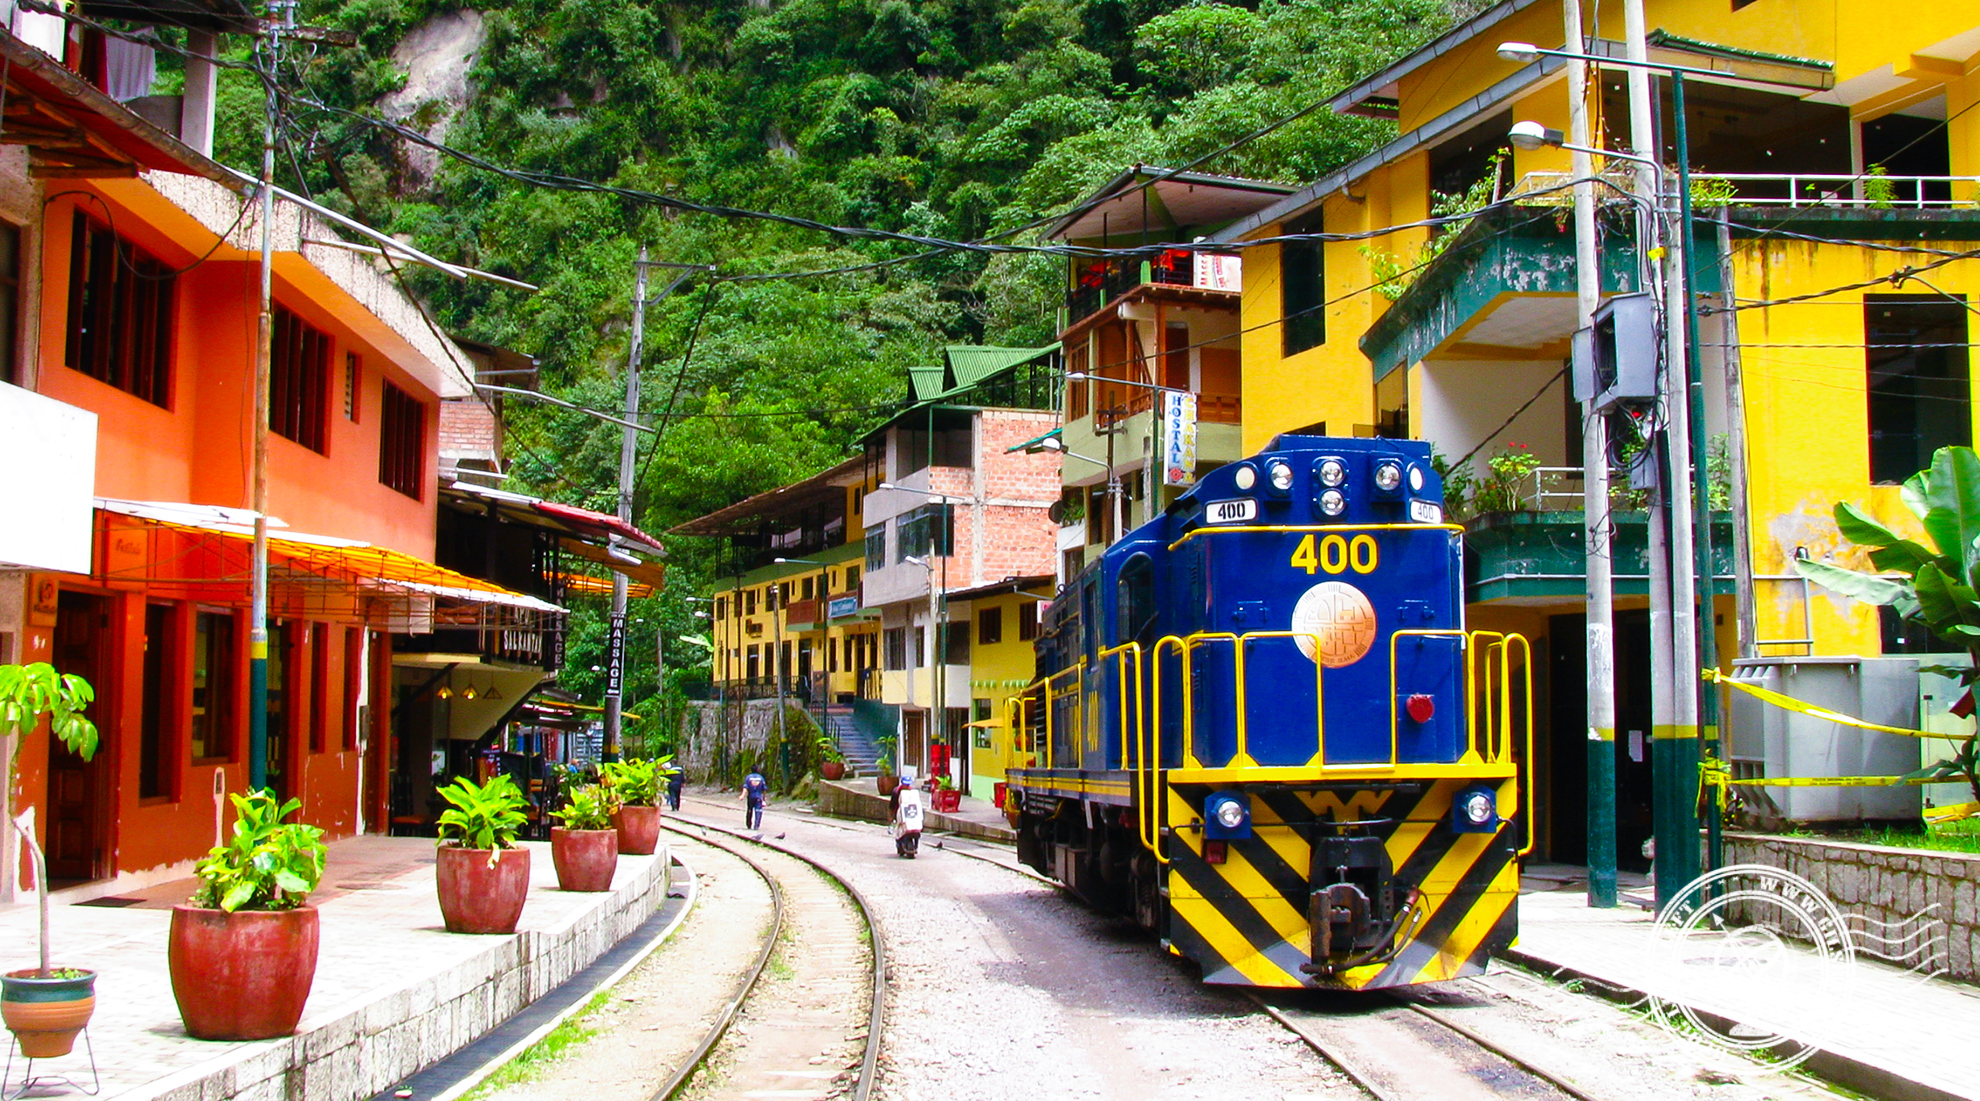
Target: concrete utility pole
615, 640
1597, 529
281, 17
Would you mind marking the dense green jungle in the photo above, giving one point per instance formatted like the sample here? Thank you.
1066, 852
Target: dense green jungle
958, 119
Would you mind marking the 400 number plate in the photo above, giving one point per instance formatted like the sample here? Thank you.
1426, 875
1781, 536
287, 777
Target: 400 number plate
1235, 511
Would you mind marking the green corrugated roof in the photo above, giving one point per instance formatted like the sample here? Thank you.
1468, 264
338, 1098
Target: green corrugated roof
927, 382
972, 364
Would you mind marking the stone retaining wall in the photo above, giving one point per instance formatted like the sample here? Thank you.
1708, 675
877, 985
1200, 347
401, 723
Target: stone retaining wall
1882, 885
845, 800
357, 1050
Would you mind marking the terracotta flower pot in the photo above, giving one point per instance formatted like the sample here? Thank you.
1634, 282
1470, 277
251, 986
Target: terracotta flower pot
585, 859
886, 783
245, 975
832, 770
45, 1014
479, 897
639, 829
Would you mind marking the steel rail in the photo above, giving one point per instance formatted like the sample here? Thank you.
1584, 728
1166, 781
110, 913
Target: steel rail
1519, 1061
876, 1014
1346, 1066
723, 1020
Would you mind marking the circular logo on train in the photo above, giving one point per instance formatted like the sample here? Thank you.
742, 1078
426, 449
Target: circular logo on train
1340, 616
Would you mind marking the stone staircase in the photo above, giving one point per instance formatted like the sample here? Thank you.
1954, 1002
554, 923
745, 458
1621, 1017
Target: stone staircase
854, 741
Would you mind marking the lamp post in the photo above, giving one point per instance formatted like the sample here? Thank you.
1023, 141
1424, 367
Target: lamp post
777, 621
937, 611
936, 661
1057, 446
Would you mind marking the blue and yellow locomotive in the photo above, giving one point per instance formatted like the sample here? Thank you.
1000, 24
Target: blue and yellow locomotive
1260, 728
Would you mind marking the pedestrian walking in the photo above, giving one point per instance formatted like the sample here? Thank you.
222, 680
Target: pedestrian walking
756, 790
675, 780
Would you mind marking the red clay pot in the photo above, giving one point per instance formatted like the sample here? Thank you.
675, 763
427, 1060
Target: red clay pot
476, 897
585, 859
885, 784
45, 1014
639, 829
832, 770
245, 975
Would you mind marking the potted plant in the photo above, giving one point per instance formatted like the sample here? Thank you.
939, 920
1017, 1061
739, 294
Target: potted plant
886, 781
481, 873
635, 789
243, 951
831, 762
44, 1007
948, 800
585, 848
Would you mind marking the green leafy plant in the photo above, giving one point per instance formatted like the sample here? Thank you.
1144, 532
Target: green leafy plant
827, 749
1878, 189
635, 782
590, 808
1933, 586
1457, 486
1504, 486
1710, 192
267, 865
482, 816
27, 692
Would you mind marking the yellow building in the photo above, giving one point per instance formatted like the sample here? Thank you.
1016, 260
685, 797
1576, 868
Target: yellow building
1837, 168
1003, 622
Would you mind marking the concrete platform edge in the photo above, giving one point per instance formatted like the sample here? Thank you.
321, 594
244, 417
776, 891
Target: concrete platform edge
1863, 1076
354, 1050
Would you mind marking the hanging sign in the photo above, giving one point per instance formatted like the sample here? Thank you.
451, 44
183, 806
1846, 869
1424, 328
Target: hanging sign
1178, 438
615, 656
1218, 272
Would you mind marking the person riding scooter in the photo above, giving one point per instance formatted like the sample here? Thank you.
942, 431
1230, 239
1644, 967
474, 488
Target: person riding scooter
906, 805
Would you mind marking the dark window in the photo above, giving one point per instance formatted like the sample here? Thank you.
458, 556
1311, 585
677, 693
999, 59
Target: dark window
213, 687
155, 756
1027, 621
852, 579
927, 531
876, 548
951, 446
120, 313
298, 380
281, 659
955, 643
1920, 397
783, 594
319, 687
1136, 593
721, 607
920, 641
10, 302
1302, 287
989, 626
1904, 636
755, 662
749, 602
402, 442
353, 367
896, 647
805, 589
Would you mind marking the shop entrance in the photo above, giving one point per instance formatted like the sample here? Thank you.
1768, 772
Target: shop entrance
79, 792
1567, 786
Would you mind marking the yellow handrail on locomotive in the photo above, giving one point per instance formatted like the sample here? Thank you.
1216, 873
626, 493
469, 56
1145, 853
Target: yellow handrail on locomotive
1047, 695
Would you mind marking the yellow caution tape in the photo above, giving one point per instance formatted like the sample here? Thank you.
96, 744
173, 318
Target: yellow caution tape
1713, 772
1942, 816
1806, 708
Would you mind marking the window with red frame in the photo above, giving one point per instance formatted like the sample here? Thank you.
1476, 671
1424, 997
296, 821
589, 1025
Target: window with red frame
402, 442
298, 380
120, 313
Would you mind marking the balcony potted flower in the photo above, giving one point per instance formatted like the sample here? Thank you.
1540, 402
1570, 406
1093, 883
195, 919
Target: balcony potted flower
243, 951
635, 787
481, 873
44, 1007
585, 848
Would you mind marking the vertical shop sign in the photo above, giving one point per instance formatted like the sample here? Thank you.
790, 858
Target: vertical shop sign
1178, 438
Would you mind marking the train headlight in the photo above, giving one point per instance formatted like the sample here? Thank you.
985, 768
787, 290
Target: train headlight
1475, 810
1333, 472
1279, 475
1245, 477
1333, 502
1388, 476
1227, 817
1415, 478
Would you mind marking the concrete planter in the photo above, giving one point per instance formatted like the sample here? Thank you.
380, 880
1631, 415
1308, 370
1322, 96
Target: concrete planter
481, 890
638, 829
585, 859
45, 1014
244, 975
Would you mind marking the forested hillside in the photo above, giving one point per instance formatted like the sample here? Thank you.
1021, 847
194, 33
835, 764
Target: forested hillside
946, 118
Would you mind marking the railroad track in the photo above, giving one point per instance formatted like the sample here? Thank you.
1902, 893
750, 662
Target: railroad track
740, 846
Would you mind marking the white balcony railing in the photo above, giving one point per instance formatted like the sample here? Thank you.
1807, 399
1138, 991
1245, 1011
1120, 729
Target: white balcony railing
1792, 189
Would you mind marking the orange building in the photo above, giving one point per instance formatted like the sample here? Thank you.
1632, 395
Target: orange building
129, 294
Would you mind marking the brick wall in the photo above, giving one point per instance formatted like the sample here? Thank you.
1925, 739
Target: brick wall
1881, 885
467, 429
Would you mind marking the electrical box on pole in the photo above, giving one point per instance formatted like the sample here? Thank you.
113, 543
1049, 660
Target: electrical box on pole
1615, 360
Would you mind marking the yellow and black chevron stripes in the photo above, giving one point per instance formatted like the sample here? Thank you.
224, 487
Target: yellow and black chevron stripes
1244, 921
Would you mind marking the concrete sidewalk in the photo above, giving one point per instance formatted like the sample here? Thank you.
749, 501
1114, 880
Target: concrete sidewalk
394, 991
1876, 1028
861, 799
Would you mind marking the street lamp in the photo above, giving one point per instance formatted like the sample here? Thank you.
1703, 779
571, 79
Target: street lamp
1680, 817
1057, 446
